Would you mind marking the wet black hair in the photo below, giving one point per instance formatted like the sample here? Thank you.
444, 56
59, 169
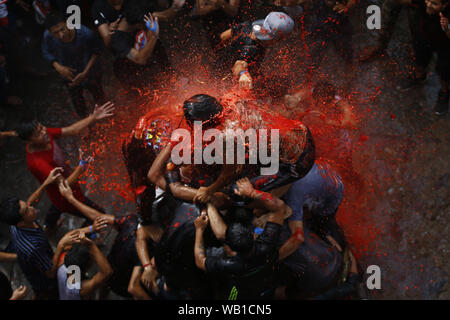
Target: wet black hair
240, 215
25, 130
10, 211
78, 256
239, 238
54, 18
202, 107
135, 10
324, 90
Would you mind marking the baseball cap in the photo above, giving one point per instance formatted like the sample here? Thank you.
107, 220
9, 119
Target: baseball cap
274, 26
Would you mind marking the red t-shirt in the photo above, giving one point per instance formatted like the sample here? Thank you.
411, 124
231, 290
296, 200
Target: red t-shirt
41, 163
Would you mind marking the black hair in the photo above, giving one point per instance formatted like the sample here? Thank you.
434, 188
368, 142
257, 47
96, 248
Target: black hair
25, 130
324, 89
10, 211
239, 238
202, 107
135, 10
240, 215
54, 18
78, 256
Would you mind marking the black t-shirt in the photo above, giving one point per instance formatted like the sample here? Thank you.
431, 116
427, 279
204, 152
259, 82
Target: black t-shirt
250, 275
122, 43
245, 48
123, 256
102, 12
429, 28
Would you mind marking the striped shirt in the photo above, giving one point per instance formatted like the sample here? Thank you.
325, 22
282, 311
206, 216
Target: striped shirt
34, 255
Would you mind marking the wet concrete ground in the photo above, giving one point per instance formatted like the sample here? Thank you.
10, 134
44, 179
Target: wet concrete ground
400, 221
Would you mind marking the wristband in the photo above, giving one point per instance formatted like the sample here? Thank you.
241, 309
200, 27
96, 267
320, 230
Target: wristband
146, 265
258, 230
91, 229
83, 163
242, 72
149, 26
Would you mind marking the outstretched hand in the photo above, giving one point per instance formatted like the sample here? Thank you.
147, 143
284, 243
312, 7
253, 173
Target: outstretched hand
203, 195
152, 24
65, 189
245, 188
104, 111
54, 175
201, 222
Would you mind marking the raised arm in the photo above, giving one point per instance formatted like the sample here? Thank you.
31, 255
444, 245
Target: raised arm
82, 165
104, 269
54, 176
141, 57
99, 113
156, 172
218, 226
87, 211
69, 239
278, 210
199, 247
240, 71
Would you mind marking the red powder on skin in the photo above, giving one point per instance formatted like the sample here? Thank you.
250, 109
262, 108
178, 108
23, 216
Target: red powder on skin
357, 214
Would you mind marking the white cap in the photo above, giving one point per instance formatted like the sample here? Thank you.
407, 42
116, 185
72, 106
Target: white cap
274, 26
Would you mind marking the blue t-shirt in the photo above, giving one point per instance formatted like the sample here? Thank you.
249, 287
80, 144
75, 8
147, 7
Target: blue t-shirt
75, 54
34, 255
321, 191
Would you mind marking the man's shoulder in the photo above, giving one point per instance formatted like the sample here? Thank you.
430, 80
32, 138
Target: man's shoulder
84, 31
223, 264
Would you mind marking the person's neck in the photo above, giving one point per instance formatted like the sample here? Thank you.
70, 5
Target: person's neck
28, 225
72, 33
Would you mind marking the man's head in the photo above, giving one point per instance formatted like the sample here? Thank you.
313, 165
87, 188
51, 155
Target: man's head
33, 132
435, 6
134, 11
240, 215
13, 211
239, 238
55, 23
324, 92
275, 26
204, 108
79, 256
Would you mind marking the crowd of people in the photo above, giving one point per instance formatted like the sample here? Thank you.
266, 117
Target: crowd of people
201, 231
